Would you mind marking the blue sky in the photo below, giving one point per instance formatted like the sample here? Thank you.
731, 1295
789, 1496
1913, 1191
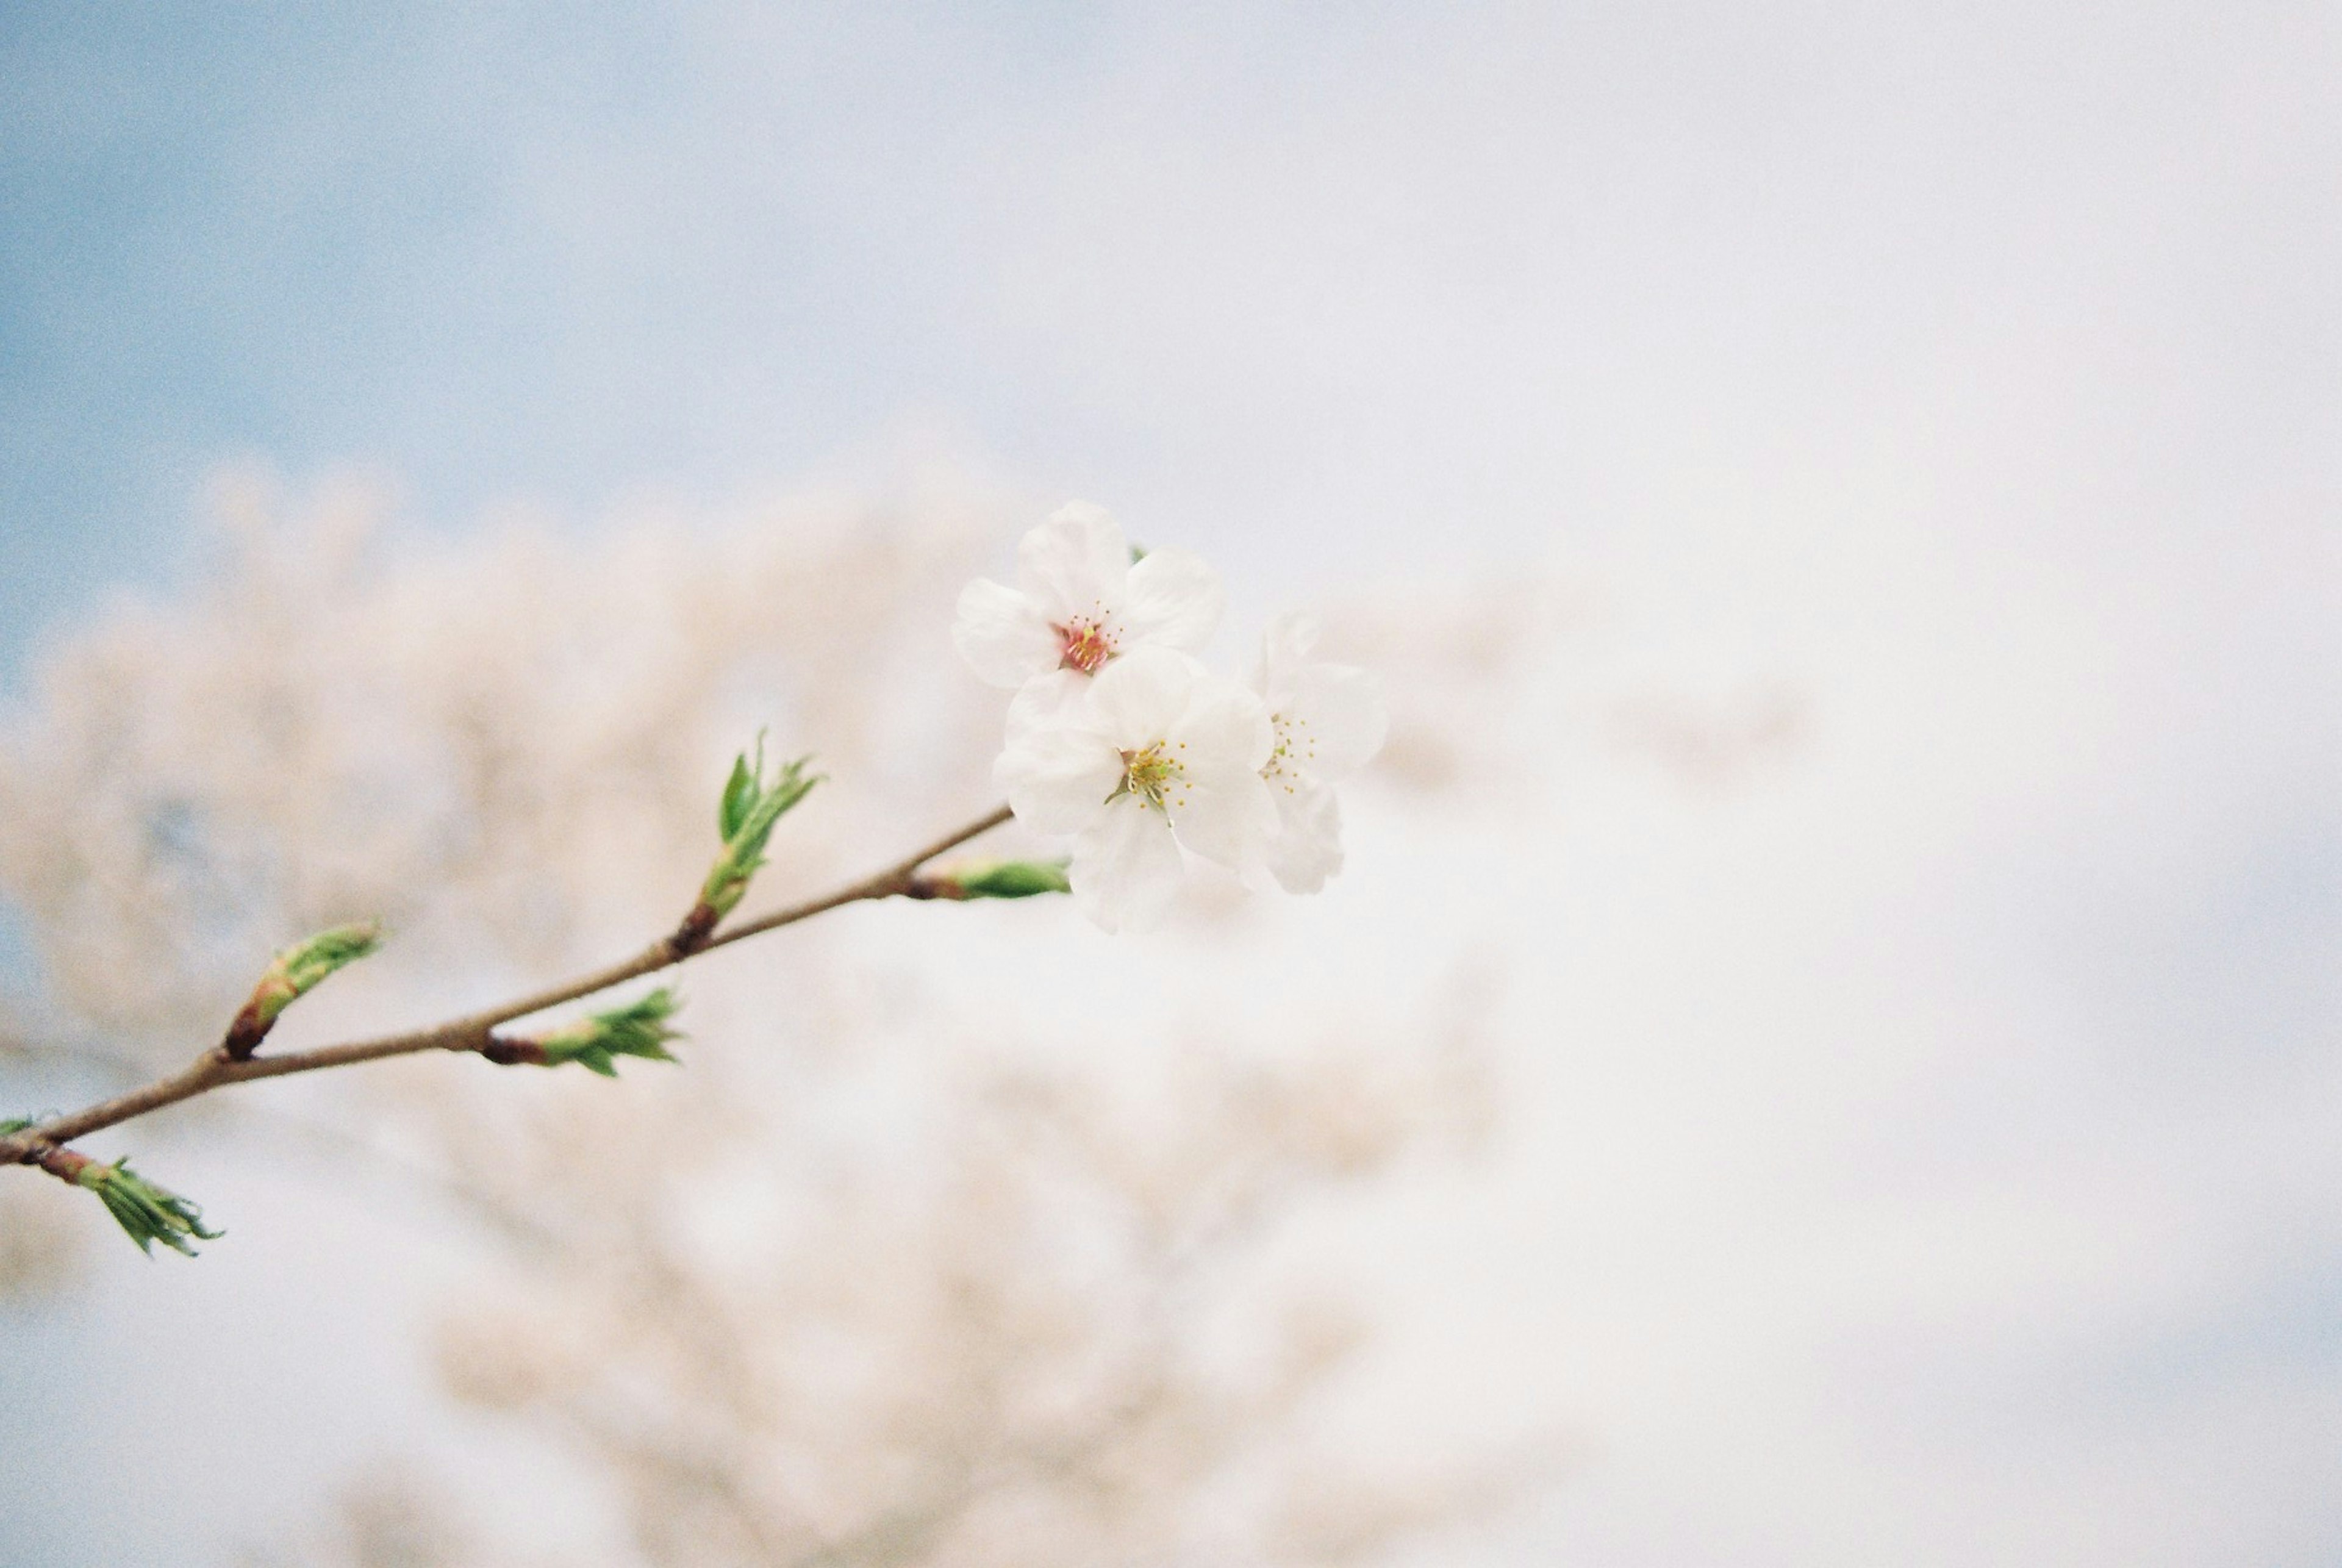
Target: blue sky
499, 251
1384, 283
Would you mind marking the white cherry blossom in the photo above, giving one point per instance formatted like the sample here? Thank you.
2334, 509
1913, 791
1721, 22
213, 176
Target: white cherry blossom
1326, 721
1079, 603
1154, 754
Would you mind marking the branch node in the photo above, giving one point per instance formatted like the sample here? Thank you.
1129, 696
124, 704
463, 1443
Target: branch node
697, 928
506, 1053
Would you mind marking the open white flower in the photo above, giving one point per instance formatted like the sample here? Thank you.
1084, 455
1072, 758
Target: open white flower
1155, 754
1079, 603
1327, 720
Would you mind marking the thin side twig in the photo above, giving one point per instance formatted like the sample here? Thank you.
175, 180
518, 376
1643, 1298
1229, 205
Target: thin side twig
215, 1069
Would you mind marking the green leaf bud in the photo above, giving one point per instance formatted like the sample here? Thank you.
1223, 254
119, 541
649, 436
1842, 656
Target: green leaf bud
640, 1028
751, 806
293, 973
993, 879
147, 1214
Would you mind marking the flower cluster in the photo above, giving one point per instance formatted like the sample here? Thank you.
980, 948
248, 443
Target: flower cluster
1120, 739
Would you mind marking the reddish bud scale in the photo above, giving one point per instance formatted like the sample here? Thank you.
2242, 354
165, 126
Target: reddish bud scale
697, 928
64, 1164
258, 1015
245, 1033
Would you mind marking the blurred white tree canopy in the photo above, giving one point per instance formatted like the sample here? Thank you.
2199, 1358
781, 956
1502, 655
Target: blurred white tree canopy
931, 1251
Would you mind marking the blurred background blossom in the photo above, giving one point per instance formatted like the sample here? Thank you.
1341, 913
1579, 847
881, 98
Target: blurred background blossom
1825, 1051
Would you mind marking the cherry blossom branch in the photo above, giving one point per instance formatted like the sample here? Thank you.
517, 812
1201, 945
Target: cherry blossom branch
1126, 744
232, 1061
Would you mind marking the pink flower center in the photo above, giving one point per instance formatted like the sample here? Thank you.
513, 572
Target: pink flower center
1084, 646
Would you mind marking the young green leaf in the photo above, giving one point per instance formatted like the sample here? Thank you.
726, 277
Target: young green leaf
751, 806
740, 791
147, 1214
640, 1028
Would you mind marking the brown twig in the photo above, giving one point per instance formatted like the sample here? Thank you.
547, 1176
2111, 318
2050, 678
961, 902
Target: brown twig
216, 1069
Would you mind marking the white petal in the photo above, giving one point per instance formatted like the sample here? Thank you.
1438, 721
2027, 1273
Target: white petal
1076, 563
1283, 649
1229, 819
1137, 699
1053, 698
1057, 776
1335, 719
1002, 637
1308, 847
1125, 868
1224, 726
1175, 599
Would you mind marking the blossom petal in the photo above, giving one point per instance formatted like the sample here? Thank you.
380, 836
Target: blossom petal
1175, 600
1138, 698
1227, 819
1224, 726
1283, 649
1336, 720
1076, 563
1057, 776
1126, 868
1307, 848
1051, 699
1002, 635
